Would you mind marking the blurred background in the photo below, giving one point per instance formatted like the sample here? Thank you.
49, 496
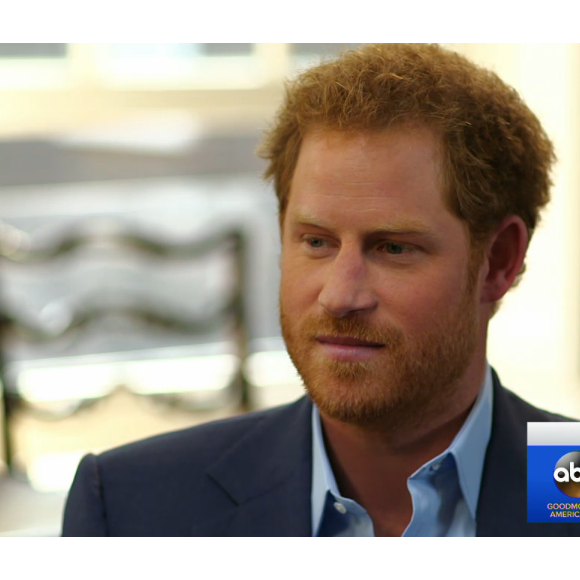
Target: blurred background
139, 249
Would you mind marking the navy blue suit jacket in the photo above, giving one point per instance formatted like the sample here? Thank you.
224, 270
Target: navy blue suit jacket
251, 476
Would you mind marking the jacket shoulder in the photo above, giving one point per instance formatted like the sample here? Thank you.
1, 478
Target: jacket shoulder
162, 485
198, 444
529, 412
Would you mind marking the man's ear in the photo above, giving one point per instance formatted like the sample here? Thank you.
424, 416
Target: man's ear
504, 257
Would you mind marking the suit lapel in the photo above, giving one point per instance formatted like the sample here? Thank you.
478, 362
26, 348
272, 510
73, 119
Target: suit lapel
502, 506
267, 476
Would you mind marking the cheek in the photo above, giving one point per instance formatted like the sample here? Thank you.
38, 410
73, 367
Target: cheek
299, 286
420, 304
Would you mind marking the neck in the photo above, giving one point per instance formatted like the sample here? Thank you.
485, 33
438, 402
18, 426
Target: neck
372, 467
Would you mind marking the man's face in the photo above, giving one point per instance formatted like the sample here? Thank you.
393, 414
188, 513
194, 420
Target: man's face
378, 310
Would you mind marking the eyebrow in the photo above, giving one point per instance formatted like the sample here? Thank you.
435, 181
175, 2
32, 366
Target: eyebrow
405, 226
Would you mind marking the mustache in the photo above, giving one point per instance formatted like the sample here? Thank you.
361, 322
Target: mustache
353, 327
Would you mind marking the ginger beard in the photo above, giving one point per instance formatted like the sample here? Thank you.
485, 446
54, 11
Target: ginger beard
411, 379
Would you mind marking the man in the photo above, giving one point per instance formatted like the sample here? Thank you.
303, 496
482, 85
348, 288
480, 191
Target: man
409, 183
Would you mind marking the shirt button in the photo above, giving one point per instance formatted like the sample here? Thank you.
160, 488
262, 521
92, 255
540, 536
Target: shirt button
339, 508
436, 466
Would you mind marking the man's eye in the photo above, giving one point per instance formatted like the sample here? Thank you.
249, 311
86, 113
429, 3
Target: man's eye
315, 242
393, 248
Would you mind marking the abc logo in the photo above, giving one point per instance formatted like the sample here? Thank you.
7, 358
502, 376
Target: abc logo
567, 474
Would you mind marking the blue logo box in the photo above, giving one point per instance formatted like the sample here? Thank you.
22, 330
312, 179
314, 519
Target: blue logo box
547, 444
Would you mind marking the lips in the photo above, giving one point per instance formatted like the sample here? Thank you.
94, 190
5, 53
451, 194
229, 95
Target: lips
348, 349
348, 341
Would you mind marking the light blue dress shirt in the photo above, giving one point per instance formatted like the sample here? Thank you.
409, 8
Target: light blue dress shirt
444, 491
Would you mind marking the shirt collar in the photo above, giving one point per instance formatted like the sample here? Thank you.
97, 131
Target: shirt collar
467, 448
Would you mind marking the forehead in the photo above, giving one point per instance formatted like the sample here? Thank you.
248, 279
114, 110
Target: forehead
369, 176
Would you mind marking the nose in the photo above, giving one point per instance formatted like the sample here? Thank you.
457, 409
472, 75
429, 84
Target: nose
347, 288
